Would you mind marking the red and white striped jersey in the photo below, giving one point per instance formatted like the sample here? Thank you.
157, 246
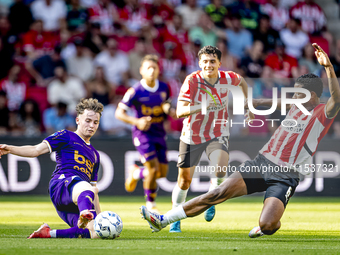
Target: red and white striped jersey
199, 128
295, 142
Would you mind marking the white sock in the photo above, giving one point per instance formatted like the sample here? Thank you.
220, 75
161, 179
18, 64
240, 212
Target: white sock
53, 233
215, 182
150, 205
178, 196
173, 215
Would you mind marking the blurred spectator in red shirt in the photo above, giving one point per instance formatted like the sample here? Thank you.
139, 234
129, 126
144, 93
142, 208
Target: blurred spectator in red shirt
134, 17
294, 38
278, 14
37, 42
20, 17
190, 13
51, 12
177, 35
106, 14
312, 17
161, 9
15, 89
281, 64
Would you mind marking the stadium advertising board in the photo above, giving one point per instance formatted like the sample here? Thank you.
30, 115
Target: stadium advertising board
31, 175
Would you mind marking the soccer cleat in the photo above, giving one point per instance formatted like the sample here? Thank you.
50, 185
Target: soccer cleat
42, 232
154, 219
84, 218
210, 213
175, 227
255, 232
131, 183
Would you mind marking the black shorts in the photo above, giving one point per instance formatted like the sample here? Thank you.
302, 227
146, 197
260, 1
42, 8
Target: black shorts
261, 174
190, 155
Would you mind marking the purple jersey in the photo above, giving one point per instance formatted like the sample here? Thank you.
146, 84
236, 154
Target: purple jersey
147, 102
74, 156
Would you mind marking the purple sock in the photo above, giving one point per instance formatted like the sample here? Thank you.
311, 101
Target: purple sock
74, 232
150, 194
85, 200
141, 176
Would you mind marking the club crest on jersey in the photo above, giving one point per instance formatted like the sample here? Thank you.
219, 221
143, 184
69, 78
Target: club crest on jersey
163, 95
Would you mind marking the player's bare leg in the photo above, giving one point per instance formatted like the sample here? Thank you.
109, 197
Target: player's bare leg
180, 192
271, 214
83, 196
233, 186
149, 184
219, 159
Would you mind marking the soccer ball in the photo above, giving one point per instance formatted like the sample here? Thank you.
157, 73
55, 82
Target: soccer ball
108, 225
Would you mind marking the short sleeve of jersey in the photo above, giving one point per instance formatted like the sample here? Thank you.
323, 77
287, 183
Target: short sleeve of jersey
94, 177
56, 141
184, 94
235, 79
128, 99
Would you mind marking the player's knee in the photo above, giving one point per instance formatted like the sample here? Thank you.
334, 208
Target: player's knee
269, 228
184, 182
153, 171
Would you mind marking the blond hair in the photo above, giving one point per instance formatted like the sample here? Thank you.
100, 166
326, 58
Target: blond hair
150, 57
89, 104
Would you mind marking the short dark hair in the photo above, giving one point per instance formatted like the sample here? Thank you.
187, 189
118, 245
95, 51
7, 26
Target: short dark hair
311, 82
210, 50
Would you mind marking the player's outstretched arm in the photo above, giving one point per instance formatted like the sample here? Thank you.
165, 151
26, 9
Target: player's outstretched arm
24, 151
333, 103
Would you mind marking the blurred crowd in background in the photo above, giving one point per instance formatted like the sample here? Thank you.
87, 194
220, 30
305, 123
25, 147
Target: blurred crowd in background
55, 52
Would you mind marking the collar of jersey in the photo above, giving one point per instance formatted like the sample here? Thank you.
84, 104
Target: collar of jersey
154, 89
209, 84
82, 139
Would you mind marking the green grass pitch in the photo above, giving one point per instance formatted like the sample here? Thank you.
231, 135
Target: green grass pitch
309, 226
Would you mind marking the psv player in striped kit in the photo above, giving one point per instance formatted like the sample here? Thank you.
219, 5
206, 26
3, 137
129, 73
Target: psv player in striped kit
288, 153
201, 132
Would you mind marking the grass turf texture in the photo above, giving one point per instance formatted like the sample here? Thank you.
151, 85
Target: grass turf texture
309, 226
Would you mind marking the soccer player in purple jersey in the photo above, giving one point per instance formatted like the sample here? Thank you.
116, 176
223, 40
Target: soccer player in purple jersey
72, 187
150, 100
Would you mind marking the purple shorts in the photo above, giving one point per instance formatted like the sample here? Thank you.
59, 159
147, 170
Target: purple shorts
61, 196
151, 149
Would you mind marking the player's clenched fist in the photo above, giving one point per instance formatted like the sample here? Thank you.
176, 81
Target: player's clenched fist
144, 123
3, 149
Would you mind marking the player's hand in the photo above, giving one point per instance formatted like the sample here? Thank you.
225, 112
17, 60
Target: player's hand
3, 149
144, 123
321, 56
249, 116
